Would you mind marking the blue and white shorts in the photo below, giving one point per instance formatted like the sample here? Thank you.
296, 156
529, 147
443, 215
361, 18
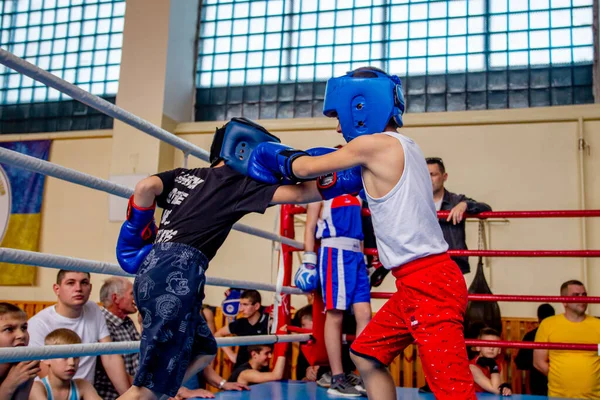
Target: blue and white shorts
168, 290
344, 278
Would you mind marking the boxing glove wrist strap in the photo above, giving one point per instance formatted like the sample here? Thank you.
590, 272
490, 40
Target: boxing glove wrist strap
309, 257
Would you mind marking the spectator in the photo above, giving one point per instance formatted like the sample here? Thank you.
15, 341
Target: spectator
74, 311
253, 323
60, 382
16, 379
253, 371
486, 370
116, 295
453, 227
538, 382
571, 374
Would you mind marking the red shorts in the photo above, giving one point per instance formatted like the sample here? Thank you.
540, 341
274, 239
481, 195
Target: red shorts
427, 309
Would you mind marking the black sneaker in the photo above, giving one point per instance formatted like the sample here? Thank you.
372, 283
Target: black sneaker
425, 389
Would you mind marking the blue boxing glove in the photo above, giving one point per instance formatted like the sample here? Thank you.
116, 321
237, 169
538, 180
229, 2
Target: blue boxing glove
335, 184
136, 237
271, 163
307, 276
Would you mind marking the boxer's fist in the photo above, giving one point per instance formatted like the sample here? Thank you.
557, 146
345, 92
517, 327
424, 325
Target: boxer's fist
348, 181
272, 162
136, 237
307, 276
488, 363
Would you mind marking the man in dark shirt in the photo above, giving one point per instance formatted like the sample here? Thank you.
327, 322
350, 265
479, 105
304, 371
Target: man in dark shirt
200, 205
453, 227
254, 322
538, 382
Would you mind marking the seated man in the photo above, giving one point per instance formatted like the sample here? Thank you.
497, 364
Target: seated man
260, 355
486, 370
75, 311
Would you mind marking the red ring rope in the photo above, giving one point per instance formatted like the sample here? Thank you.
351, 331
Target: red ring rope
519, 345
508, 297
513, 253
518, 214
533, 345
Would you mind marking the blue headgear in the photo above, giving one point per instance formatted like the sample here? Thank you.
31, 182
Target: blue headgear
364, 104
235, 141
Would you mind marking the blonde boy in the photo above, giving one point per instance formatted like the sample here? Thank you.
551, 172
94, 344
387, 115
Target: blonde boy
59, 383
485, 369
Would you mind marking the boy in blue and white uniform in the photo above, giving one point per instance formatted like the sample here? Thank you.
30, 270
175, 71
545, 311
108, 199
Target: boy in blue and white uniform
343, 276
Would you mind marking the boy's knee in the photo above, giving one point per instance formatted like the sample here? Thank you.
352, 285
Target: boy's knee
363, 312
335, 316
365, 363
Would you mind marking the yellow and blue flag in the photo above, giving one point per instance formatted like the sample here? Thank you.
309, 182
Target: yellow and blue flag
21, 194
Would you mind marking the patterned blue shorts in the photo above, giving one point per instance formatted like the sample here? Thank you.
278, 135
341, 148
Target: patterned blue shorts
168, 290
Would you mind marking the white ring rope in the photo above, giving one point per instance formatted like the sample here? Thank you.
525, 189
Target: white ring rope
45, 77
82, 265
58, 171
70, 175
277, 298
16, 354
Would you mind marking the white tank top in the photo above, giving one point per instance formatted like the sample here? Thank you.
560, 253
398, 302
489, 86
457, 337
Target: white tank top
405, 220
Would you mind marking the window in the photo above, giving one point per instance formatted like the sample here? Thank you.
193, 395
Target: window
79, 41
269, 59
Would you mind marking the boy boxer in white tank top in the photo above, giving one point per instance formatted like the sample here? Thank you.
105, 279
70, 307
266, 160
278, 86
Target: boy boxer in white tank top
429, 305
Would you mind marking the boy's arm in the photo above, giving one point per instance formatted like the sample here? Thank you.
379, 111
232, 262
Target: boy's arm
146, 191
18, 381
496, 380
359, 152
482, 380
312, 217
224, 331
114, 364
88, 392
38, 392
252, 376
305, 192
214, 379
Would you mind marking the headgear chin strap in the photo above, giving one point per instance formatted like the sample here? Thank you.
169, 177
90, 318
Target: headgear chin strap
366, 103
235, 141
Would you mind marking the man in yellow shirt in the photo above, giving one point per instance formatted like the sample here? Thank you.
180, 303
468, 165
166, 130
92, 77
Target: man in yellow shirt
571, 374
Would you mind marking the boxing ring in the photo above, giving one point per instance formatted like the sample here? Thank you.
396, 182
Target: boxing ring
314, 343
